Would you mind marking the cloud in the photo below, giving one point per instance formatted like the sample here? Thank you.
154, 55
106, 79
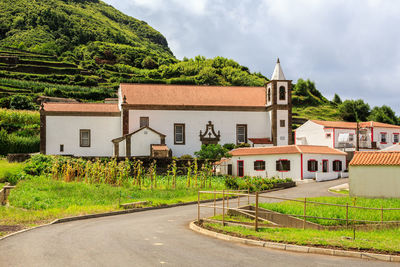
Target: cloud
346, 47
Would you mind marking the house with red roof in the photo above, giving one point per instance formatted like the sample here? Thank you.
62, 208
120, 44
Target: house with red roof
298, 162
343, 135
375, 174
149, 119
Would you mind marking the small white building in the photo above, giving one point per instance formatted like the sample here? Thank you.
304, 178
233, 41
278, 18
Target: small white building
294, 161
180, 118
375, 174
342, 135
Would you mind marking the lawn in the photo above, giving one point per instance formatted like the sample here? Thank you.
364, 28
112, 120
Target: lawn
43, 199
297, 208
8, 169
376, 241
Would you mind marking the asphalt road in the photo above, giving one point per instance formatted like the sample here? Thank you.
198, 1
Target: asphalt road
155, 238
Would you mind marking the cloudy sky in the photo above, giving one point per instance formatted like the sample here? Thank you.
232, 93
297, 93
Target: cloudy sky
349, 47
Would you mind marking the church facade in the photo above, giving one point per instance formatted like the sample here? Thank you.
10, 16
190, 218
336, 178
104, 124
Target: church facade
165, 120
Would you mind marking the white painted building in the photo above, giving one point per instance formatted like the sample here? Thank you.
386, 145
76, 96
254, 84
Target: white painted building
294, 161
375, 174
342, 135
182, 117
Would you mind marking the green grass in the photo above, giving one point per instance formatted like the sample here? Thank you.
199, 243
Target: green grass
8, 169
378, 240
322, 112
42, 199
296, 208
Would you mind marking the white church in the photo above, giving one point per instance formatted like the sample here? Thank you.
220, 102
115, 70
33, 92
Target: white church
164, 120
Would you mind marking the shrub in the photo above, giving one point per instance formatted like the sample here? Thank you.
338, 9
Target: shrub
186, 157
212, 152
39, 164
21, 102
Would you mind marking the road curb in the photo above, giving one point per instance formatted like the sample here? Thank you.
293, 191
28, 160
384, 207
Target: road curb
295, 248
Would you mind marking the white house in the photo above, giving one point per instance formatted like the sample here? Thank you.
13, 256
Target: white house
375, 174
179, 117
342, 135
293, 161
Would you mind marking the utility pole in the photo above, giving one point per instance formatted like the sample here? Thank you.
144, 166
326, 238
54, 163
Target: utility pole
358, 137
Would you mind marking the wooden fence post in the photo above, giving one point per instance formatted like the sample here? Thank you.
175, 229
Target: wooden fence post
239, 200
198, 206
256, 219
248, 196
381, 214
304, 213
215, 204
347, 215
223, 207
227, 201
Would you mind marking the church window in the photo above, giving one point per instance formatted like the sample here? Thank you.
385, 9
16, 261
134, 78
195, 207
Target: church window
282, 93
269, 95
282, 123
179, 134
84, 138
241, 133
144, 122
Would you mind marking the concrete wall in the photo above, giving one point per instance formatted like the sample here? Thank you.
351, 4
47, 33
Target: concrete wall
258, 125
282, 132
311, 133
141, 141
375, 181
65, 130
270, 166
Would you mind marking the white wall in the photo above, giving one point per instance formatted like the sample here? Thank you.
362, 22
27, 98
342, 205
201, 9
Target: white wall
313, 134
375, 181
65, 130
319, 157
141, 141
258, 125
389, 131
270, 166
282, 132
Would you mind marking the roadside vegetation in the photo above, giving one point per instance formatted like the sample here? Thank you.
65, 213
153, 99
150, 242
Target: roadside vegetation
50, 187
379, 241
297, 208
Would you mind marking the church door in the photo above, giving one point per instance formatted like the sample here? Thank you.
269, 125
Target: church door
240, 167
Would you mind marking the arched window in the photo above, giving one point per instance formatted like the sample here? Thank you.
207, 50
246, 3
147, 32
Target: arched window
269, 95
282, 93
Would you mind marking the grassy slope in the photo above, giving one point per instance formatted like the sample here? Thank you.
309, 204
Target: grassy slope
43, 199
8, 169
378, 240
296, 208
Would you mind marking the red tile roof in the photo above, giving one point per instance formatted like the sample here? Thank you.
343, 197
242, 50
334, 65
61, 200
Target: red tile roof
193, 95
261, 140
160, 147
292, 149
81, 107
369, 158
353, 125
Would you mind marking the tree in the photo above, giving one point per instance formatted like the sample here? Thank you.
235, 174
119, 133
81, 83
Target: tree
212, 152
384, 114
353, 110
21, 102
337, 100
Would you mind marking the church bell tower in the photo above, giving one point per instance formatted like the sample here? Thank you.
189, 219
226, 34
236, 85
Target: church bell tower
279, 107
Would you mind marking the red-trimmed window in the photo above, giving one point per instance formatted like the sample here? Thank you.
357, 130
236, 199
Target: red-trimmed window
283, 165
337, 165
312, 165
383, 137
396, 137
259, 165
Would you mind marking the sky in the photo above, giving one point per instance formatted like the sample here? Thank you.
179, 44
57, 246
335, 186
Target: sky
351, 47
